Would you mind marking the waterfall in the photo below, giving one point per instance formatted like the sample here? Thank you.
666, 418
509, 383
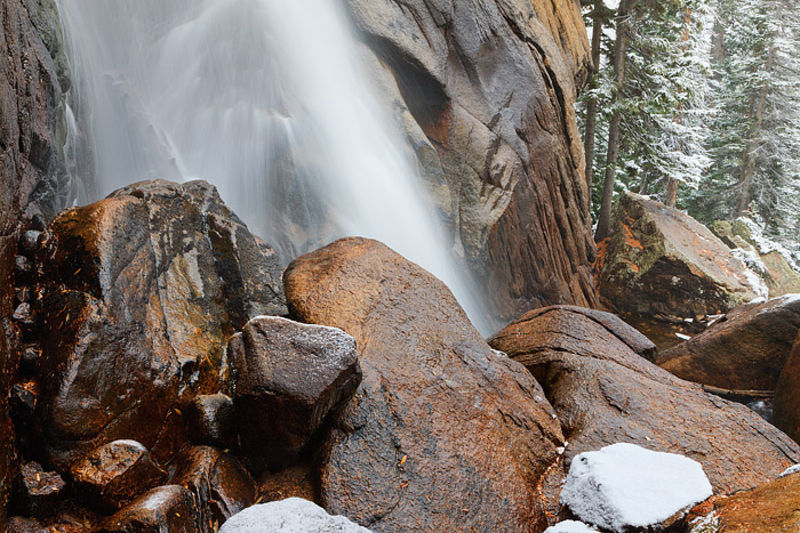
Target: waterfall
271, 101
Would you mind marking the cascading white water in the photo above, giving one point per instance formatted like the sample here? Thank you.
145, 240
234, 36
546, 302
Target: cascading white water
268, 100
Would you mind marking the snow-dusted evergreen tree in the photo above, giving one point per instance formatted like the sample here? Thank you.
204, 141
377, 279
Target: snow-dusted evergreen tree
711, 97
662, 102
669, 76
755, 144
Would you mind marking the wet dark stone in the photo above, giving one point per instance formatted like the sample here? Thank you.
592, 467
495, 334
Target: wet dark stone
29, 242
38, 491
212, 420
167, 509
222, 486
114, 474
287, 378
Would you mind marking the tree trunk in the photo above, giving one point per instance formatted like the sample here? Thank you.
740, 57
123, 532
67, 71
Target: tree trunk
591, 105
620, 51
671, 196
748, 168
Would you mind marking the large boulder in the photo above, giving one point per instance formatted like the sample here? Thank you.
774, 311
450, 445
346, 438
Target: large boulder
661, 267
141, 292
780, 277
744, 351
771, 508
604, 393
787, 395
293, 515
287, 378
443, 434
485, 94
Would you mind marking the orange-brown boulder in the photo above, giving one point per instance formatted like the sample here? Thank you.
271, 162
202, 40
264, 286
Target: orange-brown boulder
297, 481
771, 508
141, 292
443, 434
604, 393
745, 351
787, 395
111, 476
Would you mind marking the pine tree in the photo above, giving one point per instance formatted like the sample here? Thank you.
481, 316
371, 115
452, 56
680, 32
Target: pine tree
655, 118
755, 144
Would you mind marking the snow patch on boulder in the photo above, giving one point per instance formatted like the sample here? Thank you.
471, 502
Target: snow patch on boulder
293, 515
624, 485
570, 526
791, 470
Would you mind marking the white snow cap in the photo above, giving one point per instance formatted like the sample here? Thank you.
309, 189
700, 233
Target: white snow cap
624, 485
570, 526
293, 515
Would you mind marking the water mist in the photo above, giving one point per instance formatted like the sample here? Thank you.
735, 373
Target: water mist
267, 99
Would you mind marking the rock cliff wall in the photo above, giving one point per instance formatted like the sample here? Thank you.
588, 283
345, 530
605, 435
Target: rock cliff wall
31, 164
485, 92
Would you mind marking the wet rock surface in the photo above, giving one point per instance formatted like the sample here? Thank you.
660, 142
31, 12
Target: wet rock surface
660, 267
115, 473
139, 303
410, 451
287, 378
772, 508
787, 395
604, 393
744, 351
298, 481
221, 485
170, 508
485, 91
212, 420
31, 167
38, 490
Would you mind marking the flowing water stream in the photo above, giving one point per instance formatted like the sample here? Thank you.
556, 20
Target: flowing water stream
267, 99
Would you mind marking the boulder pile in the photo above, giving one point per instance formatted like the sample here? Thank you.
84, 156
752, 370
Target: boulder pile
172, 384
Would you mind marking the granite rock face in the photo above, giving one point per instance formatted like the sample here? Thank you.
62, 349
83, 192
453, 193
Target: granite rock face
484, 92
140, 294
443, 434
32, 81
605, 393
